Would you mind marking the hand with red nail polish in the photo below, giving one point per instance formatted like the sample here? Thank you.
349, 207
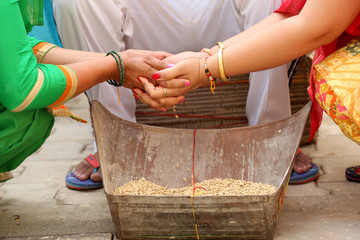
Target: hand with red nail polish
180, 79
142, 63
156, 76
155, 96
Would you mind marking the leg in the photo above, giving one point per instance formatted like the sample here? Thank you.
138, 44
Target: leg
95, 26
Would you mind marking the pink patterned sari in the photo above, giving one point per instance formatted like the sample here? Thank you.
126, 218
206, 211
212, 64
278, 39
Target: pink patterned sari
294, 7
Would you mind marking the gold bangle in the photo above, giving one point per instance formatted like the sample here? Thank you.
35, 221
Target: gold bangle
220, 44
221, 62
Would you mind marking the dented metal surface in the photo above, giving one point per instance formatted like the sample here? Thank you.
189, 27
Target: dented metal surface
262, 153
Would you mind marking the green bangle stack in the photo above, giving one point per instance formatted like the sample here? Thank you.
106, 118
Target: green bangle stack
121, 69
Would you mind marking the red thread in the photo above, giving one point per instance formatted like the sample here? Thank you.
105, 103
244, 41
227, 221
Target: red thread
193, 167
190, 115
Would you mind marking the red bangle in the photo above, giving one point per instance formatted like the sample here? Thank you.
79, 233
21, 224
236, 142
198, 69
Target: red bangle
206, 50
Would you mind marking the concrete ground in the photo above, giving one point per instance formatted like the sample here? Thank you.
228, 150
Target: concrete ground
35, 204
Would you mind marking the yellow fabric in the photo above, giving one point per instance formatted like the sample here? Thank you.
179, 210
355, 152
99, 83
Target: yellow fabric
337, 88
63, 111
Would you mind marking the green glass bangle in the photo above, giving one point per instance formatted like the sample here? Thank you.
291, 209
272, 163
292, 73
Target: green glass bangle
122, 76
120, 66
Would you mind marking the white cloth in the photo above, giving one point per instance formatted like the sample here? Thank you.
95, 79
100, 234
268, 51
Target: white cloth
268, 98
173, 26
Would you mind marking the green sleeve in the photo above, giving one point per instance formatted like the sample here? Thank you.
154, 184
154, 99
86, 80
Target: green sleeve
19, 70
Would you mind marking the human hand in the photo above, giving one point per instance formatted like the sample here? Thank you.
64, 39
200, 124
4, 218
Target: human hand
141, 63
174, 59
191, 69
161, 103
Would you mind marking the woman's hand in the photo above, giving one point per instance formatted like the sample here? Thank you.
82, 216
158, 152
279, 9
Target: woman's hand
162, 102
191, 71
174, 59
141, 63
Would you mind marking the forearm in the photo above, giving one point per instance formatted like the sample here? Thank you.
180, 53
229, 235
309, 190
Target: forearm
260, 26
62, 56
94, 71
288, 39
267, 49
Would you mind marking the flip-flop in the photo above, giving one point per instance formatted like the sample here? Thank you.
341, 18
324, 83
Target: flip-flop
353, 174
76, 184
310, 175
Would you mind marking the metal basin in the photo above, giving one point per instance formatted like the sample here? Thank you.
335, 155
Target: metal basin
262, 153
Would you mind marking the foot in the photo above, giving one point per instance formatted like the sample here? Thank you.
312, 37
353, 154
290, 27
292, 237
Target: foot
302, 162
84, 171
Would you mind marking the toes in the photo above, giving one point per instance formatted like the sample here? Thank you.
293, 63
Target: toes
83, 170
96, 177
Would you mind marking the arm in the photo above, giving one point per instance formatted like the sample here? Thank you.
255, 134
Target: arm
28, 84
136, 63
319, 23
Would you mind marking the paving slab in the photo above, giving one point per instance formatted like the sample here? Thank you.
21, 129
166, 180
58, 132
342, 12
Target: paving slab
315, 226
98, 236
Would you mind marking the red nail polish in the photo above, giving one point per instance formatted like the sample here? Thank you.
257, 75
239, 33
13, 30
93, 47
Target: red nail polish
139, 79
136, 97
187, 84
182, 100
156, 75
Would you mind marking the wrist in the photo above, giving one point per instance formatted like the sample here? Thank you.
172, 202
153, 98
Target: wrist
214, 50
202, 74
209, 77
119, 71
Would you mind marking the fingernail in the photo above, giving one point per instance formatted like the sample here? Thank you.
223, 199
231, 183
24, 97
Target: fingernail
187, 83
182, 100
136, 97
156, 75
170, 65
139, 79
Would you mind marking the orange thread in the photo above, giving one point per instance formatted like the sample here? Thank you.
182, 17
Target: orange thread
119, 100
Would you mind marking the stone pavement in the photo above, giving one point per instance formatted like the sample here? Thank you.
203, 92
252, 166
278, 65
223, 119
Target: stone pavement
35, 204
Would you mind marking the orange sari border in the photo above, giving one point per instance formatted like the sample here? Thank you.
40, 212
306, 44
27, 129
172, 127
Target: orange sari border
41, 49
71, 85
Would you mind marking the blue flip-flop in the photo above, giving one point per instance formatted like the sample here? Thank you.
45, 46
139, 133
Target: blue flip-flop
310, 175
76, 184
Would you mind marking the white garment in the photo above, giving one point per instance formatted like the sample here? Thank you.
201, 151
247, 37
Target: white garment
173, 26
268, 98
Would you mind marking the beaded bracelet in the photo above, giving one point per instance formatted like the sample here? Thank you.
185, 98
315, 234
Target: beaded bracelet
221, 62
211, 78
121, 69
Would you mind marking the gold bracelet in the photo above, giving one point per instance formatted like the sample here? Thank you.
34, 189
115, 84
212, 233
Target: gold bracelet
221, 62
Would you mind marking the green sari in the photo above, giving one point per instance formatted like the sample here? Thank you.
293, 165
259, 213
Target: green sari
28, 86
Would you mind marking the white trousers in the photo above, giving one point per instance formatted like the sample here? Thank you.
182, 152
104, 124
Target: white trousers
173, 26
